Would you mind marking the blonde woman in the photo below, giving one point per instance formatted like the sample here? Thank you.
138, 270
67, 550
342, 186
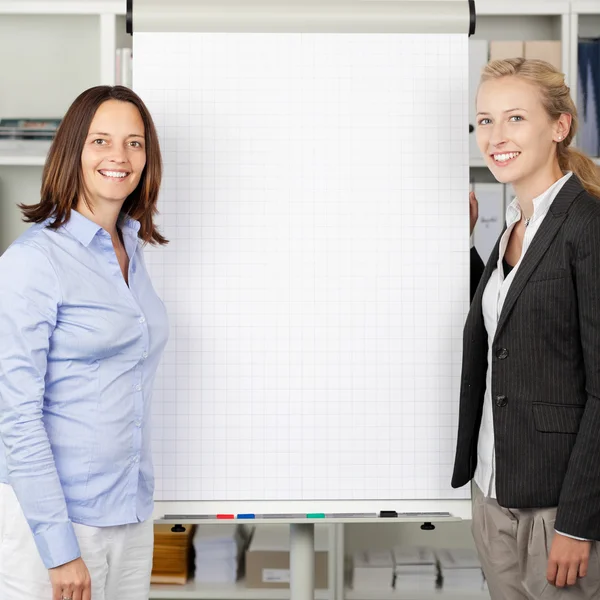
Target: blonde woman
529, 423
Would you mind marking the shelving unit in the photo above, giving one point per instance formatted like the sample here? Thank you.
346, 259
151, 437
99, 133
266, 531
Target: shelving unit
23, 153
105, 11
433, 595
103, 22
238, 591
62, 7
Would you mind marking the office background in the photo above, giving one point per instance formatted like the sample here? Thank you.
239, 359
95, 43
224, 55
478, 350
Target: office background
51, 50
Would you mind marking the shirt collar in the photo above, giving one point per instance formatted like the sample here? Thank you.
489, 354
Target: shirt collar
130, 227
541, 204
84, 230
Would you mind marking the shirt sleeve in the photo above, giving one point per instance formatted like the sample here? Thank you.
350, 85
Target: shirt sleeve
573, 536
29, 301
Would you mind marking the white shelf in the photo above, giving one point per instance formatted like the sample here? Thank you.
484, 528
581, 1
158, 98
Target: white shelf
476, 162
213, 591
417, 595
20, 153
118, 7
198, 591
515, 7
64, 7
586, 7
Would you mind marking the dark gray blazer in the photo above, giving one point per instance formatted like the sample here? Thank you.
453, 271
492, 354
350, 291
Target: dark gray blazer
545, 371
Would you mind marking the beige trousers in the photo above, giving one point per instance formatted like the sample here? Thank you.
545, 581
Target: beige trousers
513, 546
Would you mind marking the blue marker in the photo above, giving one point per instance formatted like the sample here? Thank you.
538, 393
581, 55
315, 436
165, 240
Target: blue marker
246, 516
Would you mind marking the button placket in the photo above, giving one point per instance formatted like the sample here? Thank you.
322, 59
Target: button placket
138, 408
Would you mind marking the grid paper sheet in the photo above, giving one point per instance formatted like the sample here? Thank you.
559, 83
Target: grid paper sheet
315, 195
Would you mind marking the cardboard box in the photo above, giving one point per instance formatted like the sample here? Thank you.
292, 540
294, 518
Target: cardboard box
268, 557
172, 558
550, 51
506, 49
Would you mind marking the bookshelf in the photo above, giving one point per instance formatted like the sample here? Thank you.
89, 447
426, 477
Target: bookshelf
63, 7
433, 595
237, 591
71, 46
195, 591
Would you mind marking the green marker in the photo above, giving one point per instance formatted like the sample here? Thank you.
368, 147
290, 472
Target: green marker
315, 516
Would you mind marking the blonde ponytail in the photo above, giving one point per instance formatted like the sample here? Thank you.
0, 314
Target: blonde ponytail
571, 159
556, 98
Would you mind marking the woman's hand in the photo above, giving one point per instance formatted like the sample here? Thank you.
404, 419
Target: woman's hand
473, 210
72, 581
568, 560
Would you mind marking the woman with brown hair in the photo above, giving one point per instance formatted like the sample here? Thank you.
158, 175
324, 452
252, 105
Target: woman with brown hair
530, 388
82, 332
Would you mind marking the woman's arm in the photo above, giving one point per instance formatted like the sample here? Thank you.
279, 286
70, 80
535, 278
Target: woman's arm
579, 506
477, 265
29, 300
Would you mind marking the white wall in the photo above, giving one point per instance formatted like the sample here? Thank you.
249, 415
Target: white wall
17, 184
45, 62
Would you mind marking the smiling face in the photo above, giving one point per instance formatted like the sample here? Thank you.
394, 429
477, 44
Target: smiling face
114, 153
514, 131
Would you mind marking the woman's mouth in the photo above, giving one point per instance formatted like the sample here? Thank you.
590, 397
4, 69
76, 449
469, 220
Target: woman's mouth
502, 159
114, 175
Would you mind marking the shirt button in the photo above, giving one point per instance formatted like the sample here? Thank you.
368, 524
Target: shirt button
144, 355
138, 387
501, 401
138, 423
501, 353
136, 459
142, 320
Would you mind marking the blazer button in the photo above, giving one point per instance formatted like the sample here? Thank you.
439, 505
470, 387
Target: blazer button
501, 353
501, 401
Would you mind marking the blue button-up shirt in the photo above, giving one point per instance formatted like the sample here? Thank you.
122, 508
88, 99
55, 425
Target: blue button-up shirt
79, 350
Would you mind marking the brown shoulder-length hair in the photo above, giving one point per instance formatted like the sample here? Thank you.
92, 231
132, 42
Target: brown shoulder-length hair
62, 178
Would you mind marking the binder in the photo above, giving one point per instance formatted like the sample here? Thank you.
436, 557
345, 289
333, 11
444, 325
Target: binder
500, 49
490, 197
548, 50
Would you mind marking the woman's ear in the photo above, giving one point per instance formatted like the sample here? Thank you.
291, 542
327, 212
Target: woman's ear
562, 127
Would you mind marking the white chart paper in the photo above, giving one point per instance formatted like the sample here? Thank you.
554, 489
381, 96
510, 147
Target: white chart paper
316, 199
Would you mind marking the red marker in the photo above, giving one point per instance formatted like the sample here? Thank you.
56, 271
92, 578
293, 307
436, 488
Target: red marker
225, 516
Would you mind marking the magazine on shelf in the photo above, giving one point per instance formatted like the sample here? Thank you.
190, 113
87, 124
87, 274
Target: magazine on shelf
28, 129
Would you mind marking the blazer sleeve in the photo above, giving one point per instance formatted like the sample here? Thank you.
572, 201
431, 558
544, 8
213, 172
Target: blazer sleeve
477, 268
579, 504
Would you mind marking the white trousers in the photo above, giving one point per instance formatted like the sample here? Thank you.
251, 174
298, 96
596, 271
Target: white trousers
119, 559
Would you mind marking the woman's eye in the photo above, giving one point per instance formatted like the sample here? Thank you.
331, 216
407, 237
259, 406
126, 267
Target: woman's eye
516, 118
136, 144
484, 121
99, 142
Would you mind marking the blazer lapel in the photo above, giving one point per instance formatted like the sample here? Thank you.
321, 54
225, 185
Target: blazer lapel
540, 243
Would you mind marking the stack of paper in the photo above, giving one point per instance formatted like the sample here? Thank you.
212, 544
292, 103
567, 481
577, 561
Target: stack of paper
372, 571
172, 554
415, 568
460, 569
218, 551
